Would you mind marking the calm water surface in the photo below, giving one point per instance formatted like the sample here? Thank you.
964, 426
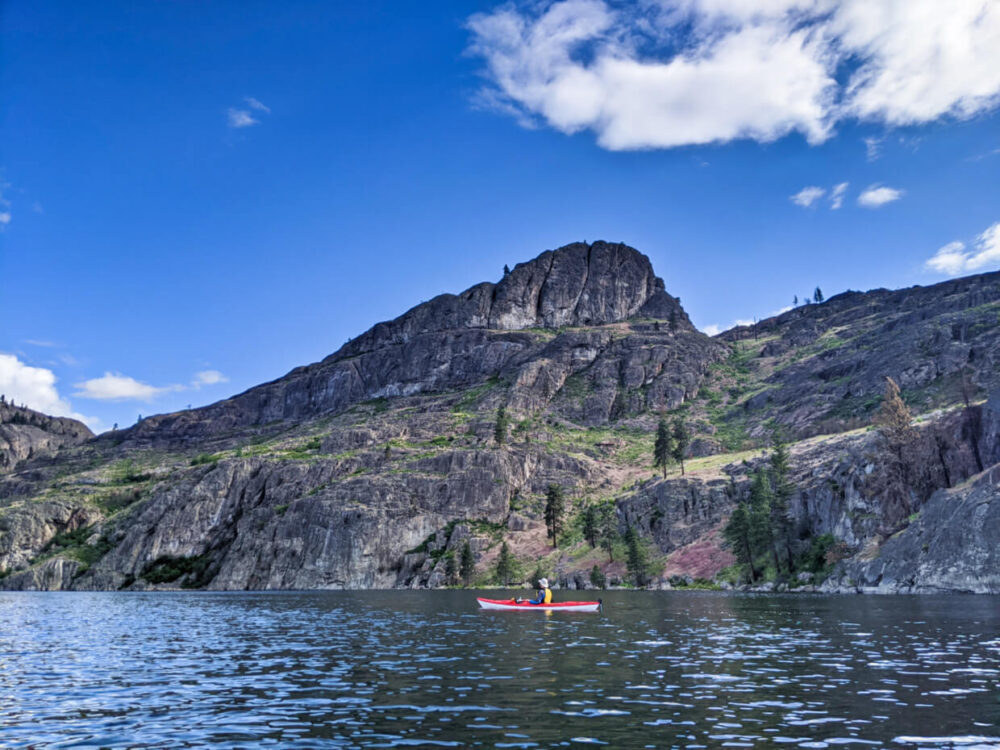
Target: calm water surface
428, 669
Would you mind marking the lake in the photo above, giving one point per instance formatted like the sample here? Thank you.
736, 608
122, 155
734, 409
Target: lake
428, 669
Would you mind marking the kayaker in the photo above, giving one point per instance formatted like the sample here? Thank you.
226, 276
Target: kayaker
544, 593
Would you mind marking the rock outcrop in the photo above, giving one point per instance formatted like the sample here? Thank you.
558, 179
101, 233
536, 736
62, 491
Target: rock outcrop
952, 546
455, 341
25, 434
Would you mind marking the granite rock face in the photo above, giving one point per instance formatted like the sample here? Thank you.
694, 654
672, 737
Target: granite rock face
951, 547
27, 527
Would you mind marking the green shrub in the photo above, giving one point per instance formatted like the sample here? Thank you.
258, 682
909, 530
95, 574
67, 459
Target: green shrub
205, 458
597, 577
126, 472
115, 501
814, 559
166, 569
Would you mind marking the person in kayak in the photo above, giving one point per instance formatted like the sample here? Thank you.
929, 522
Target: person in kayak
544, 593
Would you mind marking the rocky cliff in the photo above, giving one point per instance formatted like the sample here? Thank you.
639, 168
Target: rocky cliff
25, 434
541, 323
374, 467
820, 368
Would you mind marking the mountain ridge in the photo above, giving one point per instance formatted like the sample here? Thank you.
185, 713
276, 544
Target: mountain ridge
374, 466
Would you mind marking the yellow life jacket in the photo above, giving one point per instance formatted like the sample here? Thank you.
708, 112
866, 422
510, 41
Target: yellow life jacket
548, 596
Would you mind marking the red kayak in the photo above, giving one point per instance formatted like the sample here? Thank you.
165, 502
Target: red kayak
511, 604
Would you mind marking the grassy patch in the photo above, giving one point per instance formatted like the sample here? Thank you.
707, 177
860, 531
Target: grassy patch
472, 396
116, 501
128, 472
205, 458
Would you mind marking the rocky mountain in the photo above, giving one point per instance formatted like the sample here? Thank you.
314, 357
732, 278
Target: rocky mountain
535, 327
375, 466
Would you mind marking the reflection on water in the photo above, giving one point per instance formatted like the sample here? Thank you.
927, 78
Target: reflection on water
427, 669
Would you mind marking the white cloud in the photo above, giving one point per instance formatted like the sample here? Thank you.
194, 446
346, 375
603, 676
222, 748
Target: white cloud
921, 59
711, 330
873, 148
208, 377
837, 196
984, 155
36, 388
953, 259
257, 104
807, 196
949, 259
5, 216
241, 118
661, 74
875, 195
118, 387
760, 81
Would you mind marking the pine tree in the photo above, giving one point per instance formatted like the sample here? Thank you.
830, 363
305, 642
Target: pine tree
895, 426
505, 566
761, 498
894, 421
673, 319
817, 296
467, 563
662, 448
555, 506
795, 300
591, 525
506, 269
682, 439
782, 490
737, 533
500, 427
608, 530
597, 577
637, 558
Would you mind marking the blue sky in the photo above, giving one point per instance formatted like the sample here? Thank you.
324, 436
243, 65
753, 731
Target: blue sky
198, 197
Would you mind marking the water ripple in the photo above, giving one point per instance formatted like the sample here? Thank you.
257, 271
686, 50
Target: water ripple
426, 669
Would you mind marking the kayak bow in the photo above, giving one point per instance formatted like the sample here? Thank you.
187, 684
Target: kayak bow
511, 604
